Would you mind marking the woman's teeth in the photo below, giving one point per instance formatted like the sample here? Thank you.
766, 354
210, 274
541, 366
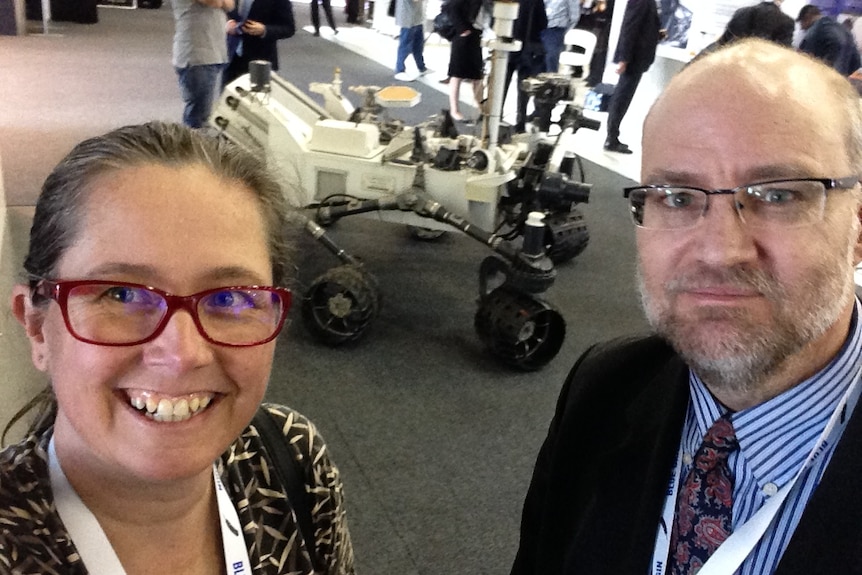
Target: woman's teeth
160, 408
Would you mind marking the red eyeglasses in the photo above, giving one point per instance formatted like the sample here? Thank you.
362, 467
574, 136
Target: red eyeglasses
122, 314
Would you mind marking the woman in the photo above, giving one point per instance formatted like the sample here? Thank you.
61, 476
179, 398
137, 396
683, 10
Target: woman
465, 58
143, 460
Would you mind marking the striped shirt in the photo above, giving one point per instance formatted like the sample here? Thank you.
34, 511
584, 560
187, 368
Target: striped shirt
775, 439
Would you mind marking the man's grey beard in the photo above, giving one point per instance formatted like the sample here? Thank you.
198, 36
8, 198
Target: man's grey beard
742, 362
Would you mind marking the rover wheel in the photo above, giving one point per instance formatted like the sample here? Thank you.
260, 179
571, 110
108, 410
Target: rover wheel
566, 236
522, 331
340, 305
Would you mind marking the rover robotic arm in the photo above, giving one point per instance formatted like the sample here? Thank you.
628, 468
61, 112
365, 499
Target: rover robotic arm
518, 197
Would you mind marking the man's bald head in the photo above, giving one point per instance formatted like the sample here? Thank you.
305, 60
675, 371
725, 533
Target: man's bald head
769, 73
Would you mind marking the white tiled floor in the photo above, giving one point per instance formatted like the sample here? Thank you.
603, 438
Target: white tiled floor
588, 144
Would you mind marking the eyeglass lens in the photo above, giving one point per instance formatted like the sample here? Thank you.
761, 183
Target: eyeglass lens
785, 203
117, 314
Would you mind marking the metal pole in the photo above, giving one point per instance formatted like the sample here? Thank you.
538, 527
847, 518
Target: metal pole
505, 14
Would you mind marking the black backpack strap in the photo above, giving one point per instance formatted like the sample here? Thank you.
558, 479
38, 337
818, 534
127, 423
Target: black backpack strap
290, 475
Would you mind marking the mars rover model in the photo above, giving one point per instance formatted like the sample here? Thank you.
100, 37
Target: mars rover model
517, 194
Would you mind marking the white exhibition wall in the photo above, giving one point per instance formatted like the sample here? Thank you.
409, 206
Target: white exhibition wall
20, 381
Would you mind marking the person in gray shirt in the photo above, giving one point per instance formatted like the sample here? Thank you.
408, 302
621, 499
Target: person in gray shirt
199, 54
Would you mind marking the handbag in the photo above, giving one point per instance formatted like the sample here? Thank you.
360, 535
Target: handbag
443, 25
289, 474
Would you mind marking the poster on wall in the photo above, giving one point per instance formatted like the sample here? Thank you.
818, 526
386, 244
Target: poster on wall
838, 7
694, 24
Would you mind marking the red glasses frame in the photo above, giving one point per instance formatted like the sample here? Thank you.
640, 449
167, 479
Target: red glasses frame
59, 292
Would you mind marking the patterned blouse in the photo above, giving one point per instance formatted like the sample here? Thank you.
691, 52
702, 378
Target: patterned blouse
34, 541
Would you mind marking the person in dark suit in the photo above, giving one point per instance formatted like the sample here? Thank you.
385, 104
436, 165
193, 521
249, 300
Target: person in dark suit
639, 35
828, 40
764, 20
327, 11
253, 29
748, 231
529, 61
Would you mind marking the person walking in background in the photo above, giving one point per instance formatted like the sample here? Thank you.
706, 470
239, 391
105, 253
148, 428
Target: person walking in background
562, 16
640, 34
199, 54
828, 40
315, 16
465, 56
729, 439
410, 16
253, 28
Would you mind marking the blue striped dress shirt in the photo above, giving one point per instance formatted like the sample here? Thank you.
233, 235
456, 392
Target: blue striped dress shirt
775, 439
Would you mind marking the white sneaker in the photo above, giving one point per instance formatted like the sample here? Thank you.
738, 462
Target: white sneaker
404, 77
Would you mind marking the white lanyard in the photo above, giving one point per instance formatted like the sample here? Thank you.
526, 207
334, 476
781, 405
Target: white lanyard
235, 551
730, 554
96, 551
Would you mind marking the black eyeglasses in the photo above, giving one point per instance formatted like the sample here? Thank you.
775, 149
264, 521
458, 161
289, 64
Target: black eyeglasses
776, 203
120, 314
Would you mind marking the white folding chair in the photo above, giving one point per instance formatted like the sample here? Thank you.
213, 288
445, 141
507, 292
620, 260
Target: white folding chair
580, 45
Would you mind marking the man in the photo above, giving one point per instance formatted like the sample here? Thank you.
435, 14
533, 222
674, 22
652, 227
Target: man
764, 20
253, 28
562, 16
410, 17
199, 54
639, 35
529, 61
828, 40
752, 376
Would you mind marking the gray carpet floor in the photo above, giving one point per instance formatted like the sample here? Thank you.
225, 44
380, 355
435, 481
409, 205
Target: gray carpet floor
435, 439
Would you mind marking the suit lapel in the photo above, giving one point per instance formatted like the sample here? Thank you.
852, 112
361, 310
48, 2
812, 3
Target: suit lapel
833, 516
634, 470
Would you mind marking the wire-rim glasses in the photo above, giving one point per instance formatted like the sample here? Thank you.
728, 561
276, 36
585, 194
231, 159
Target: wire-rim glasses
778, 203
115, 313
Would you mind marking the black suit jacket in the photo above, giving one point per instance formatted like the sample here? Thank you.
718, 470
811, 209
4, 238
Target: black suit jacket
597, 491
277, 16
639, 35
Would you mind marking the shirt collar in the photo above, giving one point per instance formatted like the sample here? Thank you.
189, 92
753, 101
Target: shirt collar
775, 436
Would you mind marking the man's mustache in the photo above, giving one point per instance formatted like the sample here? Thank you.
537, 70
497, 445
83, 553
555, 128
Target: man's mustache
734, 277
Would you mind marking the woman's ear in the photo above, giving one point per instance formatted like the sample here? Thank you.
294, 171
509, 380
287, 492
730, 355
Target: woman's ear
32, 319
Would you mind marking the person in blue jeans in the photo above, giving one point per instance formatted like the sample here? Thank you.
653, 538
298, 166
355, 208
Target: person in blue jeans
410, 16
199, 54
562, 16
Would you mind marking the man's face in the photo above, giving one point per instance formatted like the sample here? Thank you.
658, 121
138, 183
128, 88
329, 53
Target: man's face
737, 301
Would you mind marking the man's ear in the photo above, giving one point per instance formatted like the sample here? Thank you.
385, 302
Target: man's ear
32, 319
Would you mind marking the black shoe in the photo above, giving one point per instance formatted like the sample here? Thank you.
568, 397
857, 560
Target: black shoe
617, 147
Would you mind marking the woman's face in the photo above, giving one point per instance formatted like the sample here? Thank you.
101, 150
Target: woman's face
183, 230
